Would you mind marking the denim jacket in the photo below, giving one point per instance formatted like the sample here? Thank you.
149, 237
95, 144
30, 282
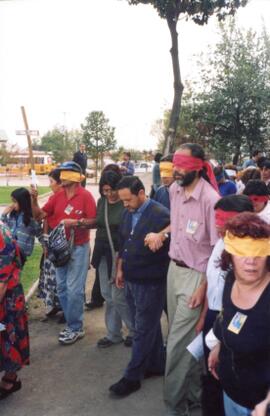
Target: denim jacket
23, 234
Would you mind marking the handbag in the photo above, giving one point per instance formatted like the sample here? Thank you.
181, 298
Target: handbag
59, 247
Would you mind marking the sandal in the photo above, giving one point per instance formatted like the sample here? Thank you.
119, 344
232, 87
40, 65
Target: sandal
16, 385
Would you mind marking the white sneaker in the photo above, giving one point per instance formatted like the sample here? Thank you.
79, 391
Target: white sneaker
70, 337
62, 333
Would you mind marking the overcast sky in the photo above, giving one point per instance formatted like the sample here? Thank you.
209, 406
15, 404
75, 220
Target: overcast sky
62, 59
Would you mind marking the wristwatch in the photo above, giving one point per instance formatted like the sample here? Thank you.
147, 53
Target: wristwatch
166, 235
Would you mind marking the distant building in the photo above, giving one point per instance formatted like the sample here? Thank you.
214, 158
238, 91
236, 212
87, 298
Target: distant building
3, 138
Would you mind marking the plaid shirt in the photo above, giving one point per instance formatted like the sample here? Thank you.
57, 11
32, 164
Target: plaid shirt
23, 234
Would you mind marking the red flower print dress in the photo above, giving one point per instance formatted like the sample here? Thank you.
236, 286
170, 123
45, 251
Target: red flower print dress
14, 341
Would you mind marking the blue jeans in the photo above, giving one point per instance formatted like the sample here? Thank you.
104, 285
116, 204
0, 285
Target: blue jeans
116, 308
71, 280
146, 303
234, 409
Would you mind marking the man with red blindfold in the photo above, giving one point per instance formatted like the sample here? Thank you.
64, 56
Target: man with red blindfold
258, 193
193, 196
225, 209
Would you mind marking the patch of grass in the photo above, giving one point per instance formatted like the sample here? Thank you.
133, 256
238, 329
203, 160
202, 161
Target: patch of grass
5, 192
30, 271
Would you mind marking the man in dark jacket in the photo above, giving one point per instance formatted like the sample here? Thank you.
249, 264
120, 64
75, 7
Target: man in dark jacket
80, 157
142, 273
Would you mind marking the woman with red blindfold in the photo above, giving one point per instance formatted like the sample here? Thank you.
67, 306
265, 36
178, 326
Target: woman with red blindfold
225, 209
258, 193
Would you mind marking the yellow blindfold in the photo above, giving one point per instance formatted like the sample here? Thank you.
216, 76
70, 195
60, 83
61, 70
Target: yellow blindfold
247, 246
166, 169
68, 175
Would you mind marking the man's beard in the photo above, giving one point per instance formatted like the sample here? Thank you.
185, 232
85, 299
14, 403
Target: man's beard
185, 180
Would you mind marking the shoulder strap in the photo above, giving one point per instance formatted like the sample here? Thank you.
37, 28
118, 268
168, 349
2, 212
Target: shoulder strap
110, 241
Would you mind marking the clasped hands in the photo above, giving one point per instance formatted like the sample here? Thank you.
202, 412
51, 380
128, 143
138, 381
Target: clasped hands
154, 241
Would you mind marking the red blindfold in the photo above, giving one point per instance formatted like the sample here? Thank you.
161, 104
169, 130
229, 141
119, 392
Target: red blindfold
259, 198
191, 163
221, 217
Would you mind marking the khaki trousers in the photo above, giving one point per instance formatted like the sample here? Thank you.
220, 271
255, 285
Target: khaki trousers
182, 374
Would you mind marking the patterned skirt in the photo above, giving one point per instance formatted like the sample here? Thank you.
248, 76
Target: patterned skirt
14, 341
47, 284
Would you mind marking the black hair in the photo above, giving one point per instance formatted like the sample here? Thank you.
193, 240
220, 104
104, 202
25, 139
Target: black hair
255, 153
260, 161
22, 196
55, 174
110, 178
128, 154
266, 164
256, 187
112, 167
167, 158
250, 174
133, 183
218, 170
157, 157
238, 203
197, 151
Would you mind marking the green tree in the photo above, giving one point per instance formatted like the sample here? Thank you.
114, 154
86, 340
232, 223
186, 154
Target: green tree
187, 128
98, 136
199, 11
6, 156
234, 106
117, 153
58, 142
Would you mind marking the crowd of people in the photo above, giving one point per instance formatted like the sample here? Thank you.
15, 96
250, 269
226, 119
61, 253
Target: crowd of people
198, 251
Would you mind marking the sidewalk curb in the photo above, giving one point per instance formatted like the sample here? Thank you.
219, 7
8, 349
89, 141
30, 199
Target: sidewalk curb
31, 291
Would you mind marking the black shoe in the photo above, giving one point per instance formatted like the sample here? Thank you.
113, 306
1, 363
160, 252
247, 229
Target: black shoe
92, 305
149, 374
53, 311
124, 387
106, 342
128, 341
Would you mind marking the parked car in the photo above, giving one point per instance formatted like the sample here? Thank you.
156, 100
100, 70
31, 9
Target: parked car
142, 167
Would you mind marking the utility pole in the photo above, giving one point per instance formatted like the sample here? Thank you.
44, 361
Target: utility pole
28, 135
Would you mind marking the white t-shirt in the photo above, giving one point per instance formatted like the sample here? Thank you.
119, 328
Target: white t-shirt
265, 213
215, 278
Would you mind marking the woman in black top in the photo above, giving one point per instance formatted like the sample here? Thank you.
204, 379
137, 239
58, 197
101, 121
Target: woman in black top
104, 260
241, 359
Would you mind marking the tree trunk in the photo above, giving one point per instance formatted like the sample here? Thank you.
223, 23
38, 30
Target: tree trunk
96, 170
178, 89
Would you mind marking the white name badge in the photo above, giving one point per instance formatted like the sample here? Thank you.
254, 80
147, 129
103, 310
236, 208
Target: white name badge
68, 210
192, 226
237, 323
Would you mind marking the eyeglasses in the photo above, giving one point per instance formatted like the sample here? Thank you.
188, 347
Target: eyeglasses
108, 191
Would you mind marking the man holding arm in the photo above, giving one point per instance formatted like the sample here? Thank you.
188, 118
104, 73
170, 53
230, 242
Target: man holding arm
142, 273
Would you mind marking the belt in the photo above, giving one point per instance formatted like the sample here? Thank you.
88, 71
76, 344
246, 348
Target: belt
181, 264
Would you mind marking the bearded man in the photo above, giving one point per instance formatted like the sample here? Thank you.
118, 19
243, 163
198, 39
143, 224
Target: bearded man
193, 196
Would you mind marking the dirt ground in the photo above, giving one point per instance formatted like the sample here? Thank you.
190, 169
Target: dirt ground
74, 380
